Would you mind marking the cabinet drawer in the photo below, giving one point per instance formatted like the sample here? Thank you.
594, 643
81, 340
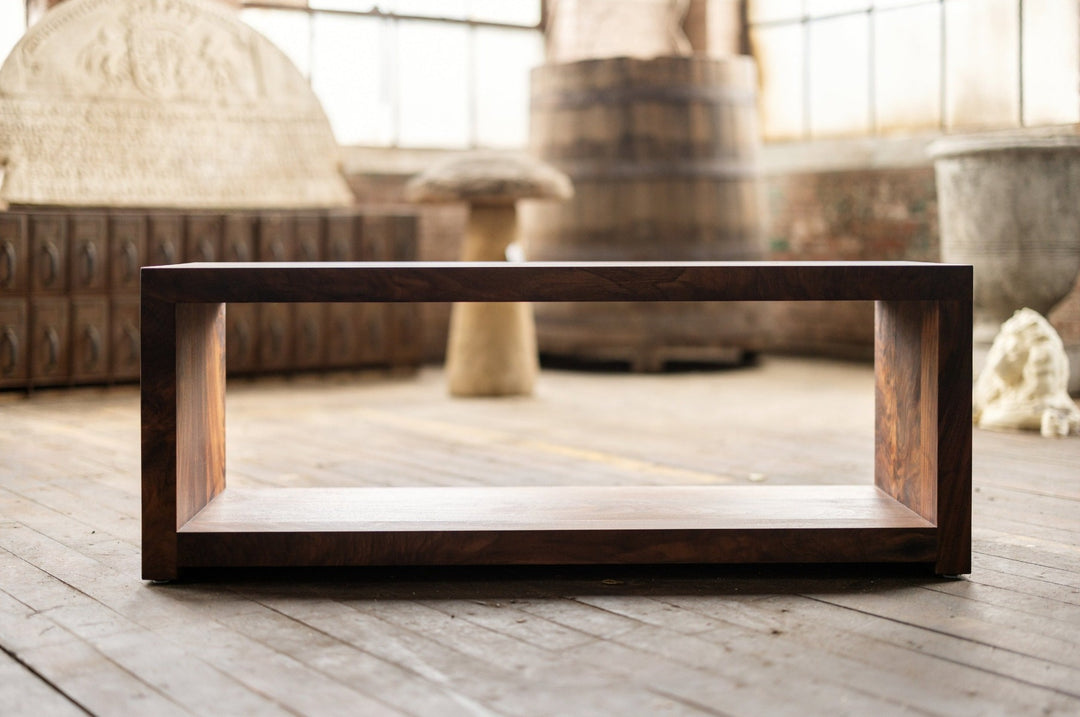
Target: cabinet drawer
275, 337
89, 339
406, 334
14, 366
239, 238
276, 238
241, 337
309, 237
403, 246
165, 235
124, 338
48, 253
342, 237
375, 237
342, 334
14, 259
373, 340
127, 251
49, 348
202, 241
309, 336
89, 252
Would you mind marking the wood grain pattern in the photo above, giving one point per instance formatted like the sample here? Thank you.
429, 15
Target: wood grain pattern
569, 281
200, 408
516, 508
554, 526
159, 436
923, 417
529, 641
921, 432
954, 437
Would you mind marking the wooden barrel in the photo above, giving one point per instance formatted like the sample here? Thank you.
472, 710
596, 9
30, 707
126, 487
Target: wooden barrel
663, 156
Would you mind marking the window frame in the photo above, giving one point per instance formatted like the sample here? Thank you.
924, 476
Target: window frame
390, 70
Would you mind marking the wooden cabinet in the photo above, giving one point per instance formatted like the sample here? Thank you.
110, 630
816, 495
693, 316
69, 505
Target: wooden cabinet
69, 283
14, 259
14, 365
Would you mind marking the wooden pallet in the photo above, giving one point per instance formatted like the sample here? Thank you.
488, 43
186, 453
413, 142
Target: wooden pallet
917, 511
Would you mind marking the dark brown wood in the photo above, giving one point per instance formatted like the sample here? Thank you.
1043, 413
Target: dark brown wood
954, 345
549, 281
922, 457
183, 434
923, 393
555, 525
158, 391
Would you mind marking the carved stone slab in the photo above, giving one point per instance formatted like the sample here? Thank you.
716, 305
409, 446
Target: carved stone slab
160, 103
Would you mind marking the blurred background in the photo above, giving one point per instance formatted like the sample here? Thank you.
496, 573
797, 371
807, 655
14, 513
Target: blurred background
818, 119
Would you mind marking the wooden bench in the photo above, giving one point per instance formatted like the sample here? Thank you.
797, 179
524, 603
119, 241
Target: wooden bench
917, 511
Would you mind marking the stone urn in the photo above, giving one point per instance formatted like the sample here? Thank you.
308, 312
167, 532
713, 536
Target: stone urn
1009, 205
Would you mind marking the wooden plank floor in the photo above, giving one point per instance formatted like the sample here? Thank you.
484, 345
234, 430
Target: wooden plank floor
80, 633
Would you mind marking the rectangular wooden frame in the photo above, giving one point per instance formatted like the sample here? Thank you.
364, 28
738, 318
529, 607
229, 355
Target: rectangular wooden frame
917, 511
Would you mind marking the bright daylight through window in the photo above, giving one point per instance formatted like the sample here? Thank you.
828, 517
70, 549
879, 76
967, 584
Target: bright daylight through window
413, 73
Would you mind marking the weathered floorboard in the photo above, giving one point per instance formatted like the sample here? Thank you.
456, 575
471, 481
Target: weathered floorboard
75, 617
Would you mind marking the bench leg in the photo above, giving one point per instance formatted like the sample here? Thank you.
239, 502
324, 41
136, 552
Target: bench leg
183, 423
923, 418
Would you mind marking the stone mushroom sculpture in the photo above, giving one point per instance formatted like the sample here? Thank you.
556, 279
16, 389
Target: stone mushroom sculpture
491, 349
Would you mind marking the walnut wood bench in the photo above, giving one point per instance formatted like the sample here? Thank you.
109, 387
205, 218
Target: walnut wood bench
917, 511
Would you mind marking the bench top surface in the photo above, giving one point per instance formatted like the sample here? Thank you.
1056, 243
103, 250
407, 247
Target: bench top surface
550, 281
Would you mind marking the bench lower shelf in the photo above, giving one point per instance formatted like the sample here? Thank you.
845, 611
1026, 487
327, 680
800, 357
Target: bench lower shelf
554, 525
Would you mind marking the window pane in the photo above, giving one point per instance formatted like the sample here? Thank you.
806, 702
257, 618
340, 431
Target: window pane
503, 61
12, 25
457, 9
350, 74
774, 10
518, 12
433, 82
839, 72
349, 5
288, 29
824, 8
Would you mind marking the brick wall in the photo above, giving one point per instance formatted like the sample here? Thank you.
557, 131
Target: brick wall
850, 214
858, 214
